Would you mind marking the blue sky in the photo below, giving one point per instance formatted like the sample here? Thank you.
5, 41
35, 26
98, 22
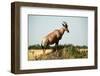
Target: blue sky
41, 25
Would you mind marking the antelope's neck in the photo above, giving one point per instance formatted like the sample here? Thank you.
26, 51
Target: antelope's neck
62, 30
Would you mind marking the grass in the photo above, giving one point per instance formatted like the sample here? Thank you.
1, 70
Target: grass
37, 46
63, 52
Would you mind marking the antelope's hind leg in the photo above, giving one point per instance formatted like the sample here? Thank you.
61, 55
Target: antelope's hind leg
43, 49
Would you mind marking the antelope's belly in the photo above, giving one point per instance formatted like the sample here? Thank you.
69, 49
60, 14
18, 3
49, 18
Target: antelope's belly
52, 41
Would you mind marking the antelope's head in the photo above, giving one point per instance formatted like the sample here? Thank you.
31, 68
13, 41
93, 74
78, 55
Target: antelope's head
65, 26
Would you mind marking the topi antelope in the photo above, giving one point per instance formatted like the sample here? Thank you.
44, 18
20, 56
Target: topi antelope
54, 37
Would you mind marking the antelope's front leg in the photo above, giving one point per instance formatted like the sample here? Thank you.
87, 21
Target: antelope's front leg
56, 45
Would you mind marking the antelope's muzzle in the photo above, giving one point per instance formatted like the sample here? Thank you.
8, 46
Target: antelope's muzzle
67, 30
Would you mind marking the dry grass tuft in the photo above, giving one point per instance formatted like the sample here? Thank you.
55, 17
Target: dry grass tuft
63, 52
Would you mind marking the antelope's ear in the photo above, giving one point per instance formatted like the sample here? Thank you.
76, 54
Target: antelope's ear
63, 24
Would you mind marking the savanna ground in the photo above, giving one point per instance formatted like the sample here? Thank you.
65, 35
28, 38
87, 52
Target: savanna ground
35, 52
